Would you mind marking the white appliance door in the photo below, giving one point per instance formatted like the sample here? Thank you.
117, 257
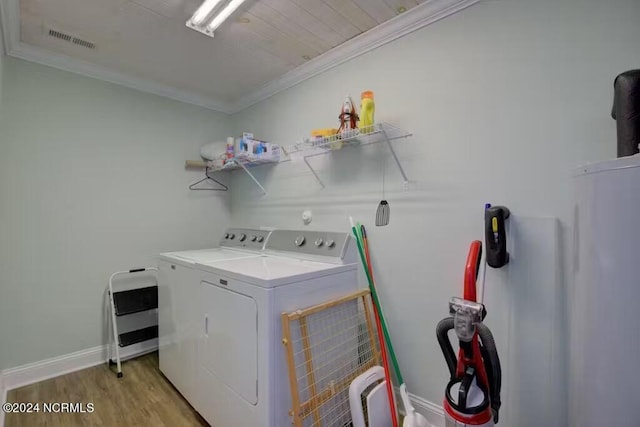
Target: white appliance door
605, 342
229, 349
178, 326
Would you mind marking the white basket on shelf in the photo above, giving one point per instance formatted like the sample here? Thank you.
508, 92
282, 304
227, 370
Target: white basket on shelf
368, 135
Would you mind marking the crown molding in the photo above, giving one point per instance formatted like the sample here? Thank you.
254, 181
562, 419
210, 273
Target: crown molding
10, 23
416, 18
85, 68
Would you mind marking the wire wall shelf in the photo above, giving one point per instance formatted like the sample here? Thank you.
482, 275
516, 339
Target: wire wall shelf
376, 133
242, 162
311, 147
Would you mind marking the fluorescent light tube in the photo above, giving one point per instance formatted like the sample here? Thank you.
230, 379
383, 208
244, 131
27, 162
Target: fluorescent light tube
203, 12
224, 14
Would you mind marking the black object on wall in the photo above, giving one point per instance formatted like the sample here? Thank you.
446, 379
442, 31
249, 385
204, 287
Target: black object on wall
495, 235
626, 112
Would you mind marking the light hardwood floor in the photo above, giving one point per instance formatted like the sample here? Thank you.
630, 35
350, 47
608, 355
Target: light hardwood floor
143, 397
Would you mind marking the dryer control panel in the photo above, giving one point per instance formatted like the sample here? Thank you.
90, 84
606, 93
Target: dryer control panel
326, 246
245, 238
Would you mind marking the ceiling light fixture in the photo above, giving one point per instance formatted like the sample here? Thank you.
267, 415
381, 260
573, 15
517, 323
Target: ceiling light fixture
224, 14
203, 14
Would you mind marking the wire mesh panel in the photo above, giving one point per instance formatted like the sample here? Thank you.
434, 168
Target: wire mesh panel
328, 346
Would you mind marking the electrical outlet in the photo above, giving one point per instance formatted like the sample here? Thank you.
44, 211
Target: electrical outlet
307, 216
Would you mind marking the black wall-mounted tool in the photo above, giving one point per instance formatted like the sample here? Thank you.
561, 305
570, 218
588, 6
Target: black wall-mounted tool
626, 112
495, 235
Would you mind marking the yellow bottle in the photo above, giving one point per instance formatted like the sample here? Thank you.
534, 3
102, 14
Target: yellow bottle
367, 109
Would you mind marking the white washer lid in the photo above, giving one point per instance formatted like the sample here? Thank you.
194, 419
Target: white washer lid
205, 256
272, 271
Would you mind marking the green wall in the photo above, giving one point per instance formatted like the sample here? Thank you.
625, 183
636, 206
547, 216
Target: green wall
92, 181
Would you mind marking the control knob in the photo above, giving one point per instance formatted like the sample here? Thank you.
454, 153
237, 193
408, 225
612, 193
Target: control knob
242, 237
260, 239
330, 243
319, 242
254, 238
299, 240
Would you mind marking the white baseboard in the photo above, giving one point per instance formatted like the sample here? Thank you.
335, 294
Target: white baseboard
431, 411
49, 368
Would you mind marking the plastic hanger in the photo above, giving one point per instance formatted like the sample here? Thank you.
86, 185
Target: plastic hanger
208, 178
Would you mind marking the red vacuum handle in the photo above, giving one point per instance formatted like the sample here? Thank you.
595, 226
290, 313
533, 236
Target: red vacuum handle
470, 354
471, 270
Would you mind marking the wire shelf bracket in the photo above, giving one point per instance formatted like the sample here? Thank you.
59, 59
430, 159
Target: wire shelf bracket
234, 164
378, 132
253, 178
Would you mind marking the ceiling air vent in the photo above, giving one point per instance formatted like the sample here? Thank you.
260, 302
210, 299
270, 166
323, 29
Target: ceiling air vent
84, 43
71, 39
59, 35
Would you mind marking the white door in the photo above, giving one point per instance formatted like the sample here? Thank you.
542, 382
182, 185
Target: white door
177, 322
229, 348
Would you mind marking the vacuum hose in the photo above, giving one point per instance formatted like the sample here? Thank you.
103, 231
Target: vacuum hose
489, 356
492, 366
442, 332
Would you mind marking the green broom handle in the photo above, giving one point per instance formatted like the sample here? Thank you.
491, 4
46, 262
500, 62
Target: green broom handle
376, 301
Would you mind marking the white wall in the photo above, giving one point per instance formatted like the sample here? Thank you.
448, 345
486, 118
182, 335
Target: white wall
92, 180
503, 100
2, 58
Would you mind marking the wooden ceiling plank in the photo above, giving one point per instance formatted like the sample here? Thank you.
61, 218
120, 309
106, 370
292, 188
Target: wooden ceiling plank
253, 40
377, 9
243, 43
353, 13
406, 4
286, 26
333, 19
295, 13
273, 34
276, 47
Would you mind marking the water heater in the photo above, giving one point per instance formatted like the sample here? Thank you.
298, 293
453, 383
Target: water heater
604, 296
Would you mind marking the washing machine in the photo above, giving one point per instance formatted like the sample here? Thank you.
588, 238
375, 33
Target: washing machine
178, 293
242, 369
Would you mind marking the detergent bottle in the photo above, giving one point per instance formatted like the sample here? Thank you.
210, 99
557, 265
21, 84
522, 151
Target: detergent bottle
367, 109
230, 152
